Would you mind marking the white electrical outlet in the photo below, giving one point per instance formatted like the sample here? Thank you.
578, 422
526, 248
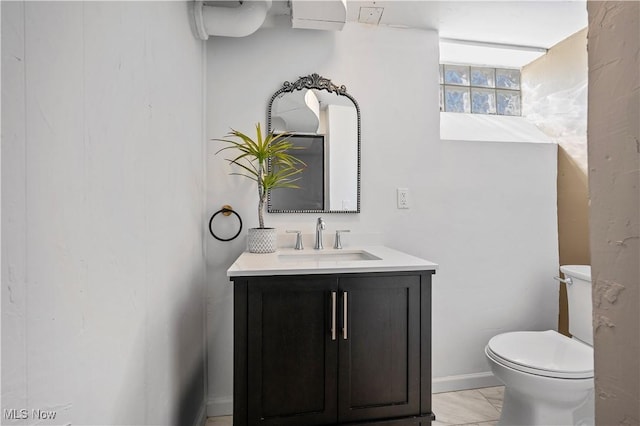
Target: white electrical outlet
403, 198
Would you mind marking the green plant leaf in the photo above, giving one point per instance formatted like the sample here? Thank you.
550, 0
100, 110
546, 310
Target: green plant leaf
267, 160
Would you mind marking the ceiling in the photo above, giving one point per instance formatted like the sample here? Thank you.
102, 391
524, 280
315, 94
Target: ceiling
540, 23
515, 23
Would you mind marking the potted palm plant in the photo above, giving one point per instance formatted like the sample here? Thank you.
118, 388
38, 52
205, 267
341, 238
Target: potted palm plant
267, 160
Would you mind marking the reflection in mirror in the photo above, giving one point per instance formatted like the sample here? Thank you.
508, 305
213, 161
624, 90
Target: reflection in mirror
311, 194
323, 119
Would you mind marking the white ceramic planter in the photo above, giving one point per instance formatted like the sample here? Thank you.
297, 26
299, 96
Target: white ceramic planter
261, 240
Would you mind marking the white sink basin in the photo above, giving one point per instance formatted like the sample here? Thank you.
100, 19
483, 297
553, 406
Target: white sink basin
328, 256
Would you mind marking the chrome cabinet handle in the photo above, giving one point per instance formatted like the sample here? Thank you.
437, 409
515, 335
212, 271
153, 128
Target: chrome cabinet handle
333, 315
344, 315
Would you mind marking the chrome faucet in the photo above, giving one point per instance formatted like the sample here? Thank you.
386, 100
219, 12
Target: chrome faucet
320, 226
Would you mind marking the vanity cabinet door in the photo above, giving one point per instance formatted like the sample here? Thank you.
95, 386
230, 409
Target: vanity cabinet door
379, 356
292, 357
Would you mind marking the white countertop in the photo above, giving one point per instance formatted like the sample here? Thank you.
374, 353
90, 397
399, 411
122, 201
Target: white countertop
389, 260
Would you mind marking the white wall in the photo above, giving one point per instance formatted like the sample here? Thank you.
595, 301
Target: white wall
102, 213
496, 242
554, 97
484, 211
614, 193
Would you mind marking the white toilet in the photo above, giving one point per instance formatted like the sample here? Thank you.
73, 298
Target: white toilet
548, 377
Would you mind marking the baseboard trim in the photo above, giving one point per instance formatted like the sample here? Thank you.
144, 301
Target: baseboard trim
464, 382
201, 419
221, 406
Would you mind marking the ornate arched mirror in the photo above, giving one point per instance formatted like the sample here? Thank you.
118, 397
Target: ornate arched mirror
324, 119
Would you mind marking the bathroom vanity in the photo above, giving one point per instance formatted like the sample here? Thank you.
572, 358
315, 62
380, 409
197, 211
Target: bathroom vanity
332, 337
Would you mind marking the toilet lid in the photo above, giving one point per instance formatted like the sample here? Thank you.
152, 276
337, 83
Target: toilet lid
546, 353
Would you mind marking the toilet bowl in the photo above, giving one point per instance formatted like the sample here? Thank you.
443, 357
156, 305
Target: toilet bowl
548, 377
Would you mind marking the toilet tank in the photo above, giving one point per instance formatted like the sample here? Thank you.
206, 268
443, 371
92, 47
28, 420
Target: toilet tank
580, 301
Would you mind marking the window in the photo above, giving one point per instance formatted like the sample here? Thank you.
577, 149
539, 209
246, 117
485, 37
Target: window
479, 90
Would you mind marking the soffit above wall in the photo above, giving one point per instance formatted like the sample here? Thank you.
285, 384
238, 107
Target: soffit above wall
511, 33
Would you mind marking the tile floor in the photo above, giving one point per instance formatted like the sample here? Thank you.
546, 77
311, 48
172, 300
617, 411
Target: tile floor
473, 407
220, 421
468, 407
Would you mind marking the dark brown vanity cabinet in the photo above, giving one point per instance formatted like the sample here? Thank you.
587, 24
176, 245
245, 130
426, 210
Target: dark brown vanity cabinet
333, 349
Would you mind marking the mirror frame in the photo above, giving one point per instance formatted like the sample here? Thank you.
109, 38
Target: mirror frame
315, 81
